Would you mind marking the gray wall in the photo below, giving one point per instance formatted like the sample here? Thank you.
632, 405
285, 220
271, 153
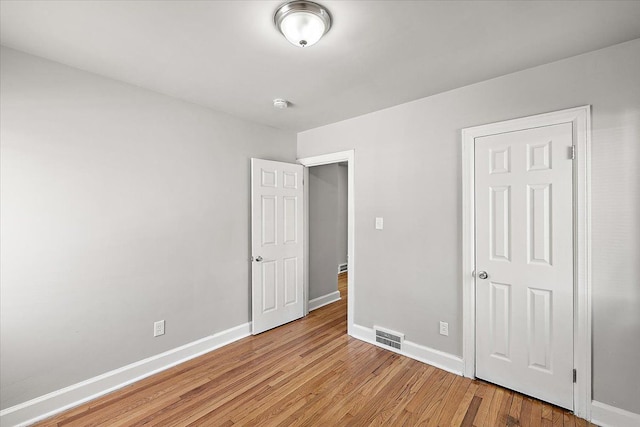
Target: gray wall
119, 207
323, 230
407, 170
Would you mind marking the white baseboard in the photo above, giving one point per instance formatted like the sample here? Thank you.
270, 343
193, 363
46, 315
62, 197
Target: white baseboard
324, 300
610, 416
52, 403
437, 358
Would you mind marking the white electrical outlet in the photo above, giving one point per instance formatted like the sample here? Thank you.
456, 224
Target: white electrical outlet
158, 328
444, 329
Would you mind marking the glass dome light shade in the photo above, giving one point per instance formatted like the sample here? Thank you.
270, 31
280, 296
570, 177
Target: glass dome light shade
302, 28
302, 22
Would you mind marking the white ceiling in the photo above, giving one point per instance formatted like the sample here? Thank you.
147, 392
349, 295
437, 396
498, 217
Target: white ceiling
227, 55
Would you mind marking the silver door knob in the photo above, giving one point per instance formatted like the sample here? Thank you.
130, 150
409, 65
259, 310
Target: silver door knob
483, 275
259, 258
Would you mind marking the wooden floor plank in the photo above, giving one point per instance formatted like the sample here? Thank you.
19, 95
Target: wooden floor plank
446, 395
451, 401
310, 373
580, 422
558, 417
472, 411
494, 407
536, 413
569, 420
486, 392
525, 414
505, 407
547, 415
463, 406
513, 419
423, 405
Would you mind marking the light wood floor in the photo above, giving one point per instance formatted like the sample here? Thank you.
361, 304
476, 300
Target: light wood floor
310, 373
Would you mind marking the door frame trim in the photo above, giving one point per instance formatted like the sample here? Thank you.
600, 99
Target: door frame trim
580, 117
326, 159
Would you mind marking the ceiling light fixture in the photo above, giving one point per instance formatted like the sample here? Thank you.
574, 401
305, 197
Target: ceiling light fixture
302, 22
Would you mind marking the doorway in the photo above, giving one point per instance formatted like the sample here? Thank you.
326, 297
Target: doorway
347, 159
328, 196
503, 221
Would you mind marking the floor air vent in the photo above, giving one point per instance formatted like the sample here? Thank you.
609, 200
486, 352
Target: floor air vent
342, 268
389, 338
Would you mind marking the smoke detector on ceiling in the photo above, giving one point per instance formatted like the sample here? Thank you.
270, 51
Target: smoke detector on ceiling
280, 103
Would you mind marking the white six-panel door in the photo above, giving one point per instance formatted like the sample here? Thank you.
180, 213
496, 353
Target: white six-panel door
524, 261
277, 243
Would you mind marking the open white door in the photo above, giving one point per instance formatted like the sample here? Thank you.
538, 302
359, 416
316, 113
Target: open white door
524, 261
276, 243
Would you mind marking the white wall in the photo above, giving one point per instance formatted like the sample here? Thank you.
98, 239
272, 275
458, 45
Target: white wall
407, 170
119, 207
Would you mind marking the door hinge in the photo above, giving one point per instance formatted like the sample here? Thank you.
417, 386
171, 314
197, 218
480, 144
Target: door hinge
573, 152
575, 375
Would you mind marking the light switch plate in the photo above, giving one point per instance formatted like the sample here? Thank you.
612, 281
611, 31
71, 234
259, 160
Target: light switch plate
379, 223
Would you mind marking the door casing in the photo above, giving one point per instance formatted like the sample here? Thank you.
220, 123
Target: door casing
326, 159
580, 117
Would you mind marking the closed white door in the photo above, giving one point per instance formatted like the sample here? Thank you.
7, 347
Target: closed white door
277, 243
524, 261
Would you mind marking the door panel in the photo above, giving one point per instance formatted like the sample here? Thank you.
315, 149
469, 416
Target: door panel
276, 240
540, 324
524, 241
290, 220
500, 223
291, 281
269, 277
539, 223
500, 319
268, 222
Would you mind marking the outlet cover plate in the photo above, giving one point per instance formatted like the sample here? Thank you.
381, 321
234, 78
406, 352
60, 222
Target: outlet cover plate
444, 329
158, 328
